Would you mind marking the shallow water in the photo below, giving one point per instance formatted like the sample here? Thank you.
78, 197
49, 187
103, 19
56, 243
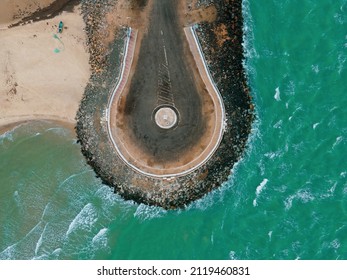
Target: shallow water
286, 199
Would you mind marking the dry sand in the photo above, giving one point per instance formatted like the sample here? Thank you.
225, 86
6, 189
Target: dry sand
42, 74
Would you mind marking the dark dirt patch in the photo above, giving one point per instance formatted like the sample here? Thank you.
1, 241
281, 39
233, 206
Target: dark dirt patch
48, 12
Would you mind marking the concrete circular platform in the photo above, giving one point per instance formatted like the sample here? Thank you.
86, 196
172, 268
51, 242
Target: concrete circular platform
165, 117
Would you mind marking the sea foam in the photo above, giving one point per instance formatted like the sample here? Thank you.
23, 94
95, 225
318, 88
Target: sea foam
84, 220
277, 94
258, 191
302, 195
145, 212
337, 141
100, 240
8, 135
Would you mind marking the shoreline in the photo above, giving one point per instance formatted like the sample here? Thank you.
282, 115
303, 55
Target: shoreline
6, 127
48, 84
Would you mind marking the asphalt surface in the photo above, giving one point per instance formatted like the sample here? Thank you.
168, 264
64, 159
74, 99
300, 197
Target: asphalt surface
163, 77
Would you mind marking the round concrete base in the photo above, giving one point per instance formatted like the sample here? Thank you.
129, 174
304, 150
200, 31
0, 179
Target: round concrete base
165, 118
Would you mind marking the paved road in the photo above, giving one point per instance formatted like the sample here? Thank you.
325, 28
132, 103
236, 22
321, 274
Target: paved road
162, 77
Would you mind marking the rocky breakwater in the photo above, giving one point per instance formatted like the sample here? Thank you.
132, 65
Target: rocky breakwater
221, 43
222, 46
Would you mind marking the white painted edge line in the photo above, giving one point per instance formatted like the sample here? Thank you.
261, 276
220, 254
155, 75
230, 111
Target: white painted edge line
126, 45
108, 109
209, 76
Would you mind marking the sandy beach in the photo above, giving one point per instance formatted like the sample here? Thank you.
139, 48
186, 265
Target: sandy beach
43, 73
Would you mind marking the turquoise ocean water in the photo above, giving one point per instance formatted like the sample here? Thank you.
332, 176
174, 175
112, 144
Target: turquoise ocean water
286, 198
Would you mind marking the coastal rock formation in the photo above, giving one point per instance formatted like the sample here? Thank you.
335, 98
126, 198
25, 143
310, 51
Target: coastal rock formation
221, 41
